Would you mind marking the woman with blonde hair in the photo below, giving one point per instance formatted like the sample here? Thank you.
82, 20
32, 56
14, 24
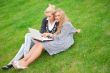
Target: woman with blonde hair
63, 39
49, 24
48, 27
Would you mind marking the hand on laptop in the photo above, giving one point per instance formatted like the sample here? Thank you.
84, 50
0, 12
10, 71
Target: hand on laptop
47, 35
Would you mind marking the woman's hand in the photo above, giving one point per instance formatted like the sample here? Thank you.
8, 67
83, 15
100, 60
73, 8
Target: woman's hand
51, 35
78, 30
44, 34
47, 34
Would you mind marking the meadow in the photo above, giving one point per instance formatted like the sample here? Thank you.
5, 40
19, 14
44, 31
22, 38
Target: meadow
89, 54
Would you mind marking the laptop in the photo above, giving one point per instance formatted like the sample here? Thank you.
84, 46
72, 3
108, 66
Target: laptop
38, 36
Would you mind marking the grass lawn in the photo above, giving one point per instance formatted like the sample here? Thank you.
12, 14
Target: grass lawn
89, 54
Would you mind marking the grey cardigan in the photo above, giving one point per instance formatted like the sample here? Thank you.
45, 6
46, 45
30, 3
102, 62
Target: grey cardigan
61, 41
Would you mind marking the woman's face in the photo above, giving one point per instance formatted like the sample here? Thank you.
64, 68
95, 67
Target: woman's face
50, 16
57, 16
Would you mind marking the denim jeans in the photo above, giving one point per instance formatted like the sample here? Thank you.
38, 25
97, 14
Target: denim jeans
25, 47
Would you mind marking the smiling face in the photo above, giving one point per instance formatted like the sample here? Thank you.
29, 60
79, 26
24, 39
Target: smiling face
50, 16
58, 16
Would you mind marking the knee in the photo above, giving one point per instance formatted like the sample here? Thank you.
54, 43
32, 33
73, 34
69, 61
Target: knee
27, 35
39, 45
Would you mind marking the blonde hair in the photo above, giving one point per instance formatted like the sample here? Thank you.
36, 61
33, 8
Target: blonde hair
64, 18
50, 9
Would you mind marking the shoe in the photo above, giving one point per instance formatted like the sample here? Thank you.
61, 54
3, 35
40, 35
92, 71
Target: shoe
6, 67
17, 66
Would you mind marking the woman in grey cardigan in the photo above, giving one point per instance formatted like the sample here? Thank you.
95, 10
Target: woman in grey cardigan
63, 39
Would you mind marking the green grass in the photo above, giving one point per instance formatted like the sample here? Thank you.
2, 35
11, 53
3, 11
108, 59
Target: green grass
89, 54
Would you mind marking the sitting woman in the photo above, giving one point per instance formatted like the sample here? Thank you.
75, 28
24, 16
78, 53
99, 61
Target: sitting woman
63, 39
49, 25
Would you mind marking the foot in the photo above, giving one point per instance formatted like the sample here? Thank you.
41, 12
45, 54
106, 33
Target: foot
6, 67
16, 65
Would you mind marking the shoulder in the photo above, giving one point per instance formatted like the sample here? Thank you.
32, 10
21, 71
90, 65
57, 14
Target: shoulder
44, 19
67, 24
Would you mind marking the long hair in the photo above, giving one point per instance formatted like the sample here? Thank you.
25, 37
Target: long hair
63, 19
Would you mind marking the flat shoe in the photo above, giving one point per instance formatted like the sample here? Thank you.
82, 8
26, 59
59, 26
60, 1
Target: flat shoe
17, 66
7, 67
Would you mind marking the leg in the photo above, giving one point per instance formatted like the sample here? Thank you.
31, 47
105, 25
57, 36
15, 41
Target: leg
34, 53
31, 51
28, 43
22, 52
19, 55
24, 48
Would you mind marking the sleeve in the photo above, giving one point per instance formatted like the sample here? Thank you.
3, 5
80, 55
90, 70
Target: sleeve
43, 26
66, 30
